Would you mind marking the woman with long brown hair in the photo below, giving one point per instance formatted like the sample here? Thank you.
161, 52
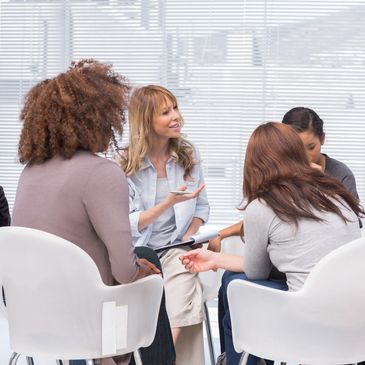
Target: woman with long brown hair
294, 215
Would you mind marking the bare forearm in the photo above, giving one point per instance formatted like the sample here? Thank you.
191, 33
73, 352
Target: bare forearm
193, 228
150, 215
233, 230
228, 262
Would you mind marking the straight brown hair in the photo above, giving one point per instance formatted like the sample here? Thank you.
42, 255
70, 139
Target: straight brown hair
277, 171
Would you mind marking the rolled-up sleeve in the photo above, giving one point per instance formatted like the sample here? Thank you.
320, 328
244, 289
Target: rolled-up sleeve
135, 208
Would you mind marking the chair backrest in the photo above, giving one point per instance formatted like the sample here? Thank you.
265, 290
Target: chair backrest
233, 245
58, 306
211, 281
323, 323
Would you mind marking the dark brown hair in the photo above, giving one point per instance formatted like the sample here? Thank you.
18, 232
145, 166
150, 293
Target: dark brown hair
277, 171
303, 120
80, 109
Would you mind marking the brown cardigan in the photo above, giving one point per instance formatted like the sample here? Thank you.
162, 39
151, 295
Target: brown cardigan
84, 200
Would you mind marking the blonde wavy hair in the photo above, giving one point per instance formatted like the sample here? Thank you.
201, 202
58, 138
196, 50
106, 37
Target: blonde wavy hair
145, 103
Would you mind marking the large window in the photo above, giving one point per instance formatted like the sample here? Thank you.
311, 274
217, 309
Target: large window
232, 64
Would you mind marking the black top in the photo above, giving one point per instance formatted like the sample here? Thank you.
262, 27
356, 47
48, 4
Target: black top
4, 209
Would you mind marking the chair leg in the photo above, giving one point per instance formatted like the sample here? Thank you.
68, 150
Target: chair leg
137, 357
14, 358
59, 362
208, 330
30, 361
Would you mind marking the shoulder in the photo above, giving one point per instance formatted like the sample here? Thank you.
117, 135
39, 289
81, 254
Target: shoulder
91, 159
258, 210
337, 168
196, 152
98, 168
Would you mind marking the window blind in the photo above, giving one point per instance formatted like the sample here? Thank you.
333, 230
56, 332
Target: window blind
232, 65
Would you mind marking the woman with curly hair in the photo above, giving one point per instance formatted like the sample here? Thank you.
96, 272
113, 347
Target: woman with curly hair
167, 204
67, 189
294, 215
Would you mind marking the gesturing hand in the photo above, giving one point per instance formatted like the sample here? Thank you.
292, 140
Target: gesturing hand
199, 260
174, 198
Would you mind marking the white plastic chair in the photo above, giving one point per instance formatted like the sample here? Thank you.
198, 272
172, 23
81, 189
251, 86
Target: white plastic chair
323, 323
58, 307
211, 281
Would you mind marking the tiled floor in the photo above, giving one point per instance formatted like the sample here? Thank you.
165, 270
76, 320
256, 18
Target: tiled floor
5, 349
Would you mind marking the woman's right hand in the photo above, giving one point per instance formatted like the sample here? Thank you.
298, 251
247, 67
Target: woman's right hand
174, 198
316, 166
148, 216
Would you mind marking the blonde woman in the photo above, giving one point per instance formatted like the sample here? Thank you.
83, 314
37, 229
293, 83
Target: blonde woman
168, 203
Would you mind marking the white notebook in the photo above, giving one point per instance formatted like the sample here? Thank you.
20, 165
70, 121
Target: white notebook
195, 239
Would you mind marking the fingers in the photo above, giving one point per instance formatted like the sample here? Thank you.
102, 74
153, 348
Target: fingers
187, 195
195, 193
316, 166
200, 188
189, 258
150, 266
189, 265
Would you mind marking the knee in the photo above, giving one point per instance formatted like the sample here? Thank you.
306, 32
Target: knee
228, 276
227, 322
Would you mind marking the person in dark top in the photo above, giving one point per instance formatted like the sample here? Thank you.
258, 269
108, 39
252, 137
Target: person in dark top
310, 128
4, 209
4, 221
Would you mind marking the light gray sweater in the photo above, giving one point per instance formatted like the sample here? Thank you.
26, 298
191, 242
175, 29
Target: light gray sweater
292, 250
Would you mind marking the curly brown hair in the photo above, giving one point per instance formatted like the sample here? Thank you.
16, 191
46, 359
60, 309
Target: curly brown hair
80, 109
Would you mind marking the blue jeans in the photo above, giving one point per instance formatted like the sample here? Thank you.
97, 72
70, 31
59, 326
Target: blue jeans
224, 319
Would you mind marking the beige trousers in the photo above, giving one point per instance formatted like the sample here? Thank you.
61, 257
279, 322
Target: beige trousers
184, 305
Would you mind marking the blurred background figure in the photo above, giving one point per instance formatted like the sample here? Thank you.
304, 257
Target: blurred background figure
4, 209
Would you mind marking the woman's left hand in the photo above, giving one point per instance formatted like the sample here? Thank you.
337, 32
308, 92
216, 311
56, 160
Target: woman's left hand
148, 267
199, 260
